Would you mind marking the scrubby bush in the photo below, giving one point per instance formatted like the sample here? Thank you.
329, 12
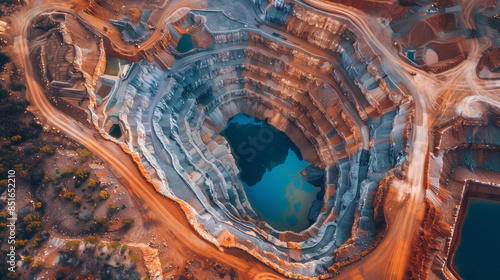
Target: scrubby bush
69, 195
13, 275
36, 242
92, 184
112, 208
47, 150
33, 226
128, 223
20, 243
88, 198
24, 174
84, 153
69, 170
92, 239
32, 223
102, 223
72, 246
103, 195
123, 249
16, 138
28, 260
45, 235
39, 265
77, 201
114, 245
3, 185
83, 174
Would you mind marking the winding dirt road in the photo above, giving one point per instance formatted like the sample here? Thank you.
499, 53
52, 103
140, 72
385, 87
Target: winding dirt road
390, 259
387, 261
162, 214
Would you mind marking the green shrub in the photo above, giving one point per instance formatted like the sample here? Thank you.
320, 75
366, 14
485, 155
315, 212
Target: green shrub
69, 195
92, 239
103, 195
72, 246
128, 223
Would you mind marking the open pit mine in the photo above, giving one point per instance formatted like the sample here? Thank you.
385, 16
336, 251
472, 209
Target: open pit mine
280, 139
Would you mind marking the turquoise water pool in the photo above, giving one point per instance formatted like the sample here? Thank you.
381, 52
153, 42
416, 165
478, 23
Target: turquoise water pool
476, 256
270, 165
185, 44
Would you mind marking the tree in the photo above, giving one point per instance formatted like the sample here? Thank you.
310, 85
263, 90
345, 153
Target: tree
83, 174
77, 201
72, 246
103, 194
69, 170
45, 235
123, 249
29, 260
38, 205
24, 174
92, 184
39, 265
102, 223
32, 223
33, 226
69, 195
16, 138
47, 150
13, 275
20, 242
112, 208
3, 185
29, 218
36, 242
92, 239
18, 167
128, 223
114, 245
84, 153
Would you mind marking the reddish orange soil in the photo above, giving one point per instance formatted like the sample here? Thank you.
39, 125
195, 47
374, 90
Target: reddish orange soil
379, 9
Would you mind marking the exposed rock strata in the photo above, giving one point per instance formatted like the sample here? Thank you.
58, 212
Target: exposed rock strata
465, 162
176, 116
333, 100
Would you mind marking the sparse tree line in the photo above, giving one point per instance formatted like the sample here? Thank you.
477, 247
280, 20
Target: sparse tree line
23, 150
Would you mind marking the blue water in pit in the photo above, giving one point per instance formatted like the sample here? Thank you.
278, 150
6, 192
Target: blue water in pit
185, 44
476, 256
271, 177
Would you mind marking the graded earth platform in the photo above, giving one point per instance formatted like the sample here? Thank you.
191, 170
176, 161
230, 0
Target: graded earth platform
250, 139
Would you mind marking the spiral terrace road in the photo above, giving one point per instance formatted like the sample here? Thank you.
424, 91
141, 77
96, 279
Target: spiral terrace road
387, 261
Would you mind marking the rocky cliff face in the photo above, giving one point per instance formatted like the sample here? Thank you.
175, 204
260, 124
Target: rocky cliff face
332, 99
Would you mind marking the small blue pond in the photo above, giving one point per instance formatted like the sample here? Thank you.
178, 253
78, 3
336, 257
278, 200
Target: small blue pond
476, 256
411, 56
270, 164
185, 44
